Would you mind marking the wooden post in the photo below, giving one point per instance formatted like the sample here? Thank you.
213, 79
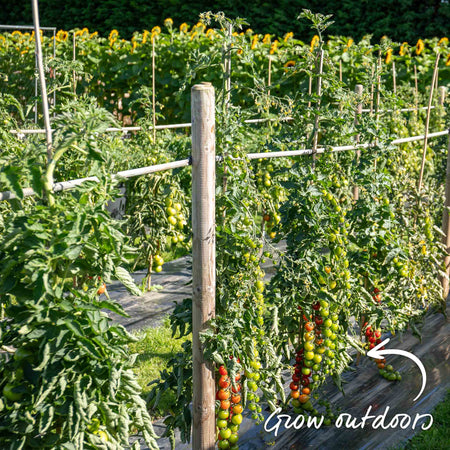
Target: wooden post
371, 90
446, 226
309, 90
358, 112
427, 122
203, 260
340, 71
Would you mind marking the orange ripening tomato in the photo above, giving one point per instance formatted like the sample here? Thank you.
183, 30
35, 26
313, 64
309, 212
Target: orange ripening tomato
101, 289
223, 394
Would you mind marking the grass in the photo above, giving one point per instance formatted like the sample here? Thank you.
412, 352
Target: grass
438, 436
155, 348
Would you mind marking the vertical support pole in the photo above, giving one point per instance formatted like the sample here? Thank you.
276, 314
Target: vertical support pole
153, 90
427, 121
416, 87
446, 226
394, 77
203, 260
340, 71
54, 73
269, 75
319, 95
37, 35
358, 112
74, 57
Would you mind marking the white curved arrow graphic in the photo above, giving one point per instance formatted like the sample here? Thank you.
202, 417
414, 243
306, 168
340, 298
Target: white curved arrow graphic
378, 354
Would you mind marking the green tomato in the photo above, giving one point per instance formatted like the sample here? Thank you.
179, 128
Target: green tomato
306, 371
224, 444
309, 346
10, 394
223, 414
222, 423
309, 356
225, 433
317, 358
233, 438
237, 419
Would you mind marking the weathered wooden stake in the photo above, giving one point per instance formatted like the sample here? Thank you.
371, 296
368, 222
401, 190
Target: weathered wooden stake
427, 122
358, 112
203, 260
446, 226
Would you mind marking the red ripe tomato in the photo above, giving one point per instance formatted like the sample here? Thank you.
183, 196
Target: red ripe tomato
237, 377
371, 346
295, 378
223, 371
316, 306
371, 339
305, 381
235, 398
318, 320
223, 394
236, 389
225, 404
309, 326
293, 386
376, 290
224, 382
299, 358
378, 333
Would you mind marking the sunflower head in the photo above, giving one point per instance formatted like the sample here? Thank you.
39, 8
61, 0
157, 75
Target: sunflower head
273, 47
443, 42
388, 56
289, 64
266, 39
168, 22
254, 41
419, 47
184, 27
288, 36
403, 49
314, 42
447, 62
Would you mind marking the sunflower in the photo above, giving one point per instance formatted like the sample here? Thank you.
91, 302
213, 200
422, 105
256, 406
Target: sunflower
168, 22
443, 41
447, 62
290, 64
94, 34
254, 41
184, 27
403, 49
62, 36
273, 47
288, 36
388, 56
314, 42
348, 44
248, 32
113, 37
419, 47
193, 35
266, 39
16, 33
210, 33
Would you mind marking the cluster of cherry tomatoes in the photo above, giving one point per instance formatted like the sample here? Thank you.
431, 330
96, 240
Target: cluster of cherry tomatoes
229, 410
373, 338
